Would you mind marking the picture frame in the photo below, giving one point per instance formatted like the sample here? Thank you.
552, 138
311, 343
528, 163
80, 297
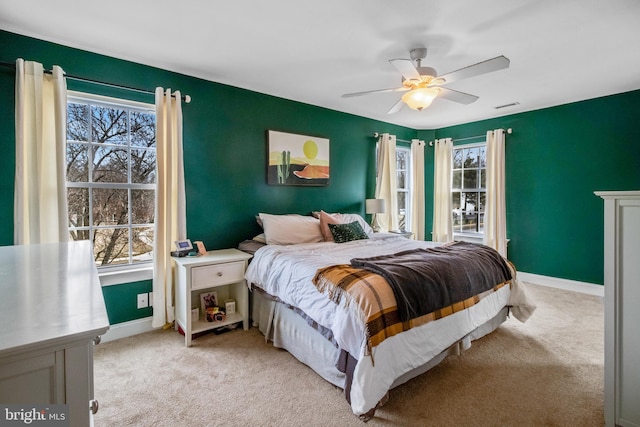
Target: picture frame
294, 159
208, 299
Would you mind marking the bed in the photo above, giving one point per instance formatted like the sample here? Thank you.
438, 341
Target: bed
302, 302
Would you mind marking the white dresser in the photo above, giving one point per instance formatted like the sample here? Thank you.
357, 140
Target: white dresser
622, 308
51, 311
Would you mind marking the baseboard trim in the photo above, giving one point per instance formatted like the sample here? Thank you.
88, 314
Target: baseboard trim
128, 329
566, 284
140, 326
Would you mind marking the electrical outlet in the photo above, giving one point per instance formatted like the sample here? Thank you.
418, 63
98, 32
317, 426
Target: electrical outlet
143, 300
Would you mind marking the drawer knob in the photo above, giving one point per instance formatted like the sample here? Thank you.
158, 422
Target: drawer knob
219, 273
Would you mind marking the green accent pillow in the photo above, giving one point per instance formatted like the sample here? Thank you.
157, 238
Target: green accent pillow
347, 232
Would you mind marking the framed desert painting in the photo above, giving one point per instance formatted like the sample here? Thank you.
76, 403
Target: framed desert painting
297, 159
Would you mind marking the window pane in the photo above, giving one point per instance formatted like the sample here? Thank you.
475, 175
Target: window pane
109, 125
469, 201
457, 215
471, 157
457, 159
143, 166
143, 129
401, 160
77, 163
110, 164
483, 178
402, 201
142, 206
470, 178
78, 201
483, 201
483, 156
111, 246
75, 235
457, 179
142, 242
77, 122
402, 180
110, 206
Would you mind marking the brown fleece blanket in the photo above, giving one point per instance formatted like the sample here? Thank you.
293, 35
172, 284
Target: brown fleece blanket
425, 280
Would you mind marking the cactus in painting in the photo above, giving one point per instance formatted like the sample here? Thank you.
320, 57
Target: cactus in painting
284, 167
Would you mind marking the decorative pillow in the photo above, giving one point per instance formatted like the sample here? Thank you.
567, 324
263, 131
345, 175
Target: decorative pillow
344, 218
347, 232
325, 220
290, 229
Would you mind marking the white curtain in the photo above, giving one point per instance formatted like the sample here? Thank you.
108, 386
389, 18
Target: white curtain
40, 196
170, 213
386, 182
442, 208
495, 217
417, 193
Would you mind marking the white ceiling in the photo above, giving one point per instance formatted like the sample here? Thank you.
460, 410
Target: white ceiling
314, 51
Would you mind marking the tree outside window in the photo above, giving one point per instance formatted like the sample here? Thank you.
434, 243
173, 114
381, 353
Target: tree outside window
111, 174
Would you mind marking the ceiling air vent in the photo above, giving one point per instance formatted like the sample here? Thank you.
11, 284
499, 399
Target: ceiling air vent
512, 104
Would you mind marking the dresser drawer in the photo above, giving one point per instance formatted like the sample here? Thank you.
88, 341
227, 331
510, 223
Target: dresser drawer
216, 274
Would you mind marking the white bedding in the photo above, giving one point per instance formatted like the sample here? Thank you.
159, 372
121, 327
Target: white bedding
286, 272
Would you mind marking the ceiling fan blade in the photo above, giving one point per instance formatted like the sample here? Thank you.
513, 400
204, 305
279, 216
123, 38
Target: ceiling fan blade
406, 68
397, 107
456, 96
397, 89
488, 66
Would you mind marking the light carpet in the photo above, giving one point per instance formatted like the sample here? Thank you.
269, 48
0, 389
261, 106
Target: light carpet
546, 372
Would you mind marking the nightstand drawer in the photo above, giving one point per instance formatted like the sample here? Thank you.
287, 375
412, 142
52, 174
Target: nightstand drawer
217, 274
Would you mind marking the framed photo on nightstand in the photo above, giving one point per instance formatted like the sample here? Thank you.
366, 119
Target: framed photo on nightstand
208, 299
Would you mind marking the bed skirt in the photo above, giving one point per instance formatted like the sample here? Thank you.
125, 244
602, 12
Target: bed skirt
288, 330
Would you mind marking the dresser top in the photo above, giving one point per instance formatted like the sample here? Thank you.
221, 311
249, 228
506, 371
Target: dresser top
49, 294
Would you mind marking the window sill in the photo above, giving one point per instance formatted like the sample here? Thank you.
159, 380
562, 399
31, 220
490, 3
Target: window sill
133, 274
473, 238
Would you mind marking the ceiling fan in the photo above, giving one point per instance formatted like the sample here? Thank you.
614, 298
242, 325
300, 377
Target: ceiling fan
422, 84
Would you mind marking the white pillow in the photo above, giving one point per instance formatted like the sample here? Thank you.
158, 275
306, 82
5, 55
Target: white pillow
290, 229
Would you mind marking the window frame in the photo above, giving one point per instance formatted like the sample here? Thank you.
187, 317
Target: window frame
407, 189
120, 273
476, 236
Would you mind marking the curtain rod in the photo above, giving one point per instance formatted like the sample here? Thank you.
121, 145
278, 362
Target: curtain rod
185, 98
509, 131
376, 135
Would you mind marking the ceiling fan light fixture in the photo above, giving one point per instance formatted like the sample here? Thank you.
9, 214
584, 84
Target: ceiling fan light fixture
420, 98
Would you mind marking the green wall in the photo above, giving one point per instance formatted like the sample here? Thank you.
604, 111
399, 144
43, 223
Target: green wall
224, 149
555, 159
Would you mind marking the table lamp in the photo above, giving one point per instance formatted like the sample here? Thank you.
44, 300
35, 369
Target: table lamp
373, 207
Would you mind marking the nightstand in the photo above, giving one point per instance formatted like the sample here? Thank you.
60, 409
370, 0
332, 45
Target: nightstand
221, 271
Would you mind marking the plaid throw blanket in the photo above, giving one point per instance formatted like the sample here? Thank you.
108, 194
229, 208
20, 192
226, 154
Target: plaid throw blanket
376, 302
424, 280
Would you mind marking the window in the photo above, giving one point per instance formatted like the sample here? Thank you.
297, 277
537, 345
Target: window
403, 171
468, 189
111, 174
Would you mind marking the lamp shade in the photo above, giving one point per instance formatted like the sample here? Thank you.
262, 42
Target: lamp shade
420, 98
374, 206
